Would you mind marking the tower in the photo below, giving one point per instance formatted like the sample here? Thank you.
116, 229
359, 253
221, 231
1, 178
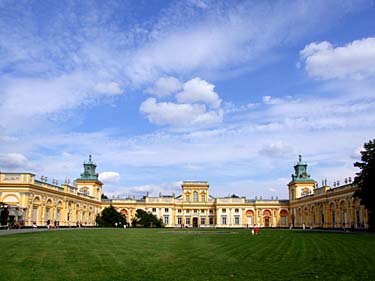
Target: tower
89, 183
301, 184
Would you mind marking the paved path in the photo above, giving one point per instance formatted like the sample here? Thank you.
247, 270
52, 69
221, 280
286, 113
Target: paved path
28, 230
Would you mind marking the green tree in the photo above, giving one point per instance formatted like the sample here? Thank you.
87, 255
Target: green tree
109, 217
366, 180
146, 219
4, 216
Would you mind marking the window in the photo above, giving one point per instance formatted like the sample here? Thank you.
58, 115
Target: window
211, 220
236, 220
211, 211
179, 211
224, 210
58, 214
48, 213
203, 220
166, 219
203, 198
154, 210
187, 211
195, 211
202, 211
166, 210
35, 213
283, 220
187, 198
179, 220
187, 220
223, 220
236, 210
195, 196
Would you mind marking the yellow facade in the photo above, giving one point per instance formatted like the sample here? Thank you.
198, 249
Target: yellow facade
33, 201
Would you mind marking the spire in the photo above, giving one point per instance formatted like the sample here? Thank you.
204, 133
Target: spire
300, 171
89, 170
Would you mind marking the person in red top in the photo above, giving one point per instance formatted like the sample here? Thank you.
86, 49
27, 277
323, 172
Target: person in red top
256, 229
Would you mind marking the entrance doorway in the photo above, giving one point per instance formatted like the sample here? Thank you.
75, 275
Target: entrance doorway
195, 222
266, 221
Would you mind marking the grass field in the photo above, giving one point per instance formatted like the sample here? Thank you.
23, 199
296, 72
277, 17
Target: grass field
169, 254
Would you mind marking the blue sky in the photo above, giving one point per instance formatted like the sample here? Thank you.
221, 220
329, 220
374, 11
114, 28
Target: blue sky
164, 91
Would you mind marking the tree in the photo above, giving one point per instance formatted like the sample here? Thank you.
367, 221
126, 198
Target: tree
104, 196
109, 217
146, 219
4, 216
365, 180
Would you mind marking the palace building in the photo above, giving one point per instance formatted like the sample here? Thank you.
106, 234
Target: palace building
31, 201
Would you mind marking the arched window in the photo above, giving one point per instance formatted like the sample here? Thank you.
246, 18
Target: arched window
249, 217
283, 217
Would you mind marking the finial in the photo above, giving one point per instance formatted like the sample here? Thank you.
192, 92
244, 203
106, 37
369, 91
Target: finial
300, 158
90, 158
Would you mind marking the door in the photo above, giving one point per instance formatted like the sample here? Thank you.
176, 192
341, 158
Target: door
266, 221
195, 222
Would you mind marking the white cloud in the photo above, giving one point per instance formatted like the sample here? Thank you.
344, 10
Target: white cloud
155, 189
199, 3
355, 60
180, 115
199, 91
111, 88
165, 86
271, 100
40, 98
278, 148
109, 177
14, 161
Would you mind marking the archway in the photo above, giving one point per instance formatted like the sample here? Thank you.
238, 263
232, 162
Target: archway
266, 218
284, 218
249, 217
124, 214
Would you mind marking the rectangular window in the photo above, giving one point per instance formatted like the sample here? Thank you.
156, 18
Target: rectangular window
166, 220
211, 220
179, 220
223, 220
48, 213
187, 211
203, 198
211, 211
166, 210
154, 210
35, 213
236, 220
187, 220
58, 214
283, 220
203, 220
224, 210
202, 211
195, 196
195, 211
236, 210
187, 198
179, 211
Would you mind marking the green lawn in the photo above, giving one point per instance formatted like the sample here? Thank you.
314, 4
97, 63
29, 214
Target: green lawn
169, 254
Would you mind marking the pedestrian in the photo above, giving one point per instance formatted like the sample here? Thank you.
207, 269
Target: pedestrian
256, 230
252, 231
